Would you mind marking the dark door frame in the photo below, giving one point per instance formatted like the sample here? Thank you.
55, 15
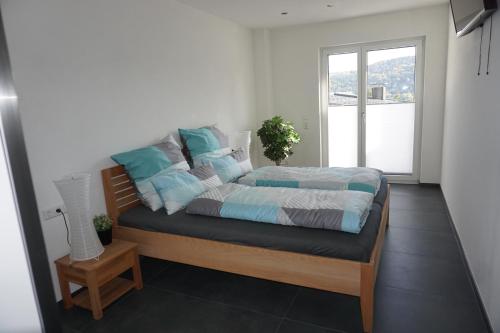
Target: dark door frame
15, 148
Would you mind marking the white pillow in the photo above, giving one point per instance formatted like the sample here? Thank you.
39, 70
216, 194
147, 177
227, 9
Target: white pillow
241, 140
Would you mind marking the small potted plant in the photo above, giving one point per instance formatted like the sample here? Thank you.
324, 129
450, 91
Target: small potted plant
278, 137
103, 224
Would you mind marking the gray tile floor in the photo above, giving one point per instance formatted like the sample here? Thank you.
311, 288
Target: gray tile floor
422, 286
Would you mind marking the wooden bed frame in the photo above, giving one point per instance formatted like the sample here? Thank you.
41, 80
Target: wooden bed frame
330, 274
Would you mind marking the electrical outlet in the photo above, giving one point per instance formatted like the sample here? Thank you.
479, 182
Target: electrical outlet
305, 123
50, 213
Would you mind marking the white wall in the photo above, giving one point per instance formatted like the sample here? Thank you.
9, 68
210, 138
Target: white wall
263, 85
100, 77
471, 158
295, 73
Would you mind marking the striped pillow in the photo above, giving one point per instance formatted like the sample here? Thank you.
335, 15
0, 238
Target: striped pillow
178, 188
145, 163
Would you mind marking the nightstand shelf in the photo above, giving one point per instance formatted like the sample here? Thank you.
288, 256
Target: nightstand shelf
109, 293
100, 277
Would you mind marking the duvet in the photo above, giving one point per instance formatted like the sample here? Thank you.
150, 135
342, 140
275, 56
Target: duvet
333, 210
338, 179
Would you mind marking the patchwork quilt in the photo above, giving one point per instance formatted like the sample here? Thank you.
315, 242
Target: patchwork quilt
334, 210
338, 179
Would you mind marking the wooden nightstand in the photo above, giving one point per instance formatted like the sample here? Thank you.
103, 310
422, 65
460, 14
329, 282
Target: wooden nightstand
101, 277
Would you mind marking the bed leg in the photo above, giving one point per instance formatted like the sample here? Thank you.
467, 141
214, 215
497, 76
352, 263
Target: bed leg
367, 296
388, 202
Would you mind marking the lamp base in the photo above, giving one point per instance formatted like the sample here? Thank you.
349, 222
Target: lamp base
96, 257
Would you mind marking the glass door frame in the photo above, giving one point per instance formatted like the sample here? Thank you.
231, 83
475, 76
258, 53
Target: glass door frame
362, 50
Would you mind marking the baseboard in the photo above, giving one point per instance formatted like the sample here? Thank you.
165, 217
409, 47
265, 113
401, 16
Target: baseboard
413, 182
467, 266
430, 185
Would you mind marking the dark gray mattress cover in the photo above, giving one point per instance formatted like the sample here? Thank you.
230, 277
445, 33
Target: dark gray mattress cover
327, 243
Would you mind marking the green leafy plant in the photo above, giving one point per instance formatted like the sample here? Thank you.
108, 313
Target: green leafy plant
278, 137
102, 222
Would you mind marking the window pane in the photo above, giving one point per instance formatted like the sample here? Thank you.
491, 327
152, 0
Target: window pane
343, 109
343, 79
391, 76
389, 137
343, 136
390, 110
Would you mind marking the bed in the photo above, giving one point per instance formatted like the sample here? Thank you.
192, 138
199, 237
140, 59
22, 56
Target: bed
322, 259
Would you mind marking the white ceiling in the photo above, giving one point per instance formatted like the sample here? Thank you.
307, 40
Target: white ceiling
267, 13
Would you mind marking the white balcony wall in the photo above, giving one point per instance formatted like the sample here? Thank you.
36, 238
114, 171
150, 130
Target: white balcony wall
343, 136
389, 137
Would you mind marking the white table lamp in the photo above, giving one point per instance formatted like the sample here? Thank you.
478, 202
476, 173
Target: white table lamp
74, 190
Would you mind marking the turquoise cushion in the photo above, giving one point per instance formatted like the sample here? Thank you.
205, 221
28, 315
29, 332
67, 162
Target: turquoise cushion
143, 163
177, 189
200, 140
231, 166
147, 191
227, 168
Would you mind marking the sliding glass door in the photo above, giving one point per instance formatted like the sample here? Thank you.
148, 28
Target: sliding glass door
371, 100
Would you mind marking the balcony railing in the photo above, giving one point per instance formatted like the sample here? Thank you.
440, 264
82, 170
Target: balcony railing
347, 99
389, 136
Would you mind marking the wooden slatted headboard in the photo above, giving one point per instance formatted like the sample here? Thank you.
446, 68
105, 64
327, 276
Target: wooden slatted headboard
119, 192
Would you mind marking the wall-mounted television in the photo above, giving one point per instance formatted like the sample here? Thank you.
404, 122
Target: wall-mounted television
469, 14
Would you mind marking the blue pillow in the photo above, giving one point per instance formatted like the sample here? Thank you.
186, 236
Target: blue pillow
147, 192
143, 163
178, 188
231, 166
205, 142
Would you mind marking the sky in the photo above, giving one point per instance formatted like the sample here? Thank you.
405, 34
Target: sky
348, 61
